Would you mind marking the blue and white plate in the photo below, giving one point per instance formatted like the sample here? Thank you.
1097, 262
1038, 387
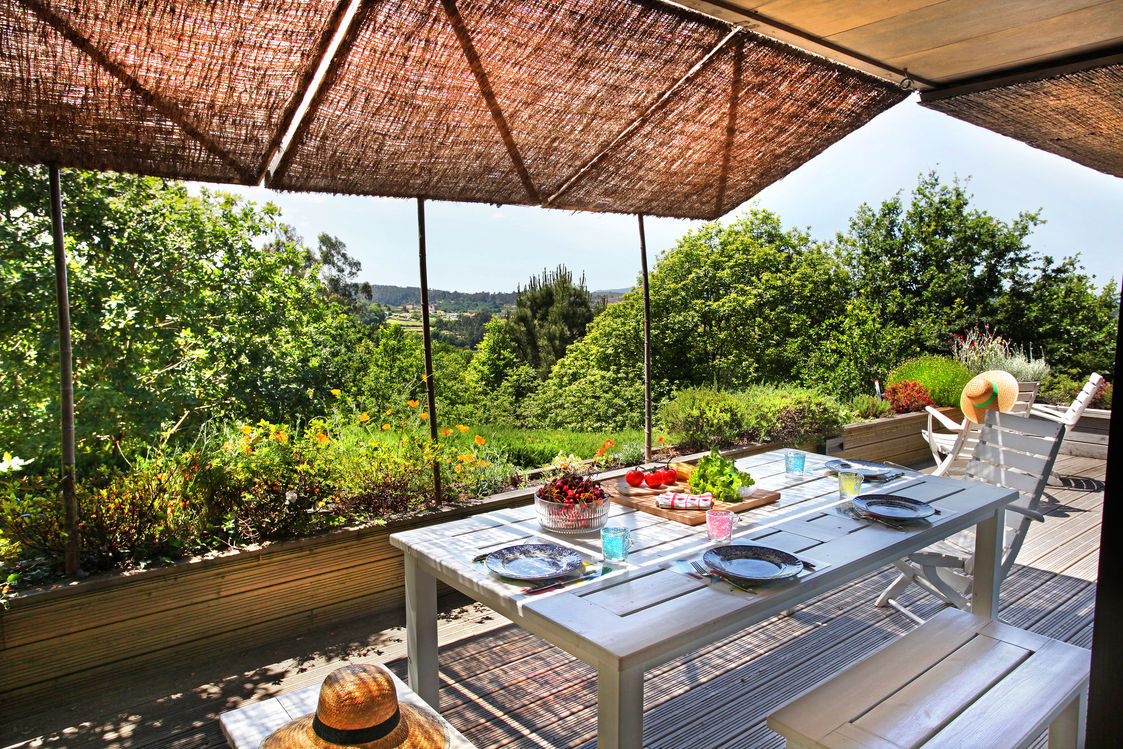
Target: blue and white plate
872, 471
533, 561
753, 563
891, 507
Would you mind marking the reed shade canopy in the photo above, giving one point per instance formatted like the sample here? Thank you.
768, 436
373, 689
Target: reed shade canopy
629, 106
1077, 114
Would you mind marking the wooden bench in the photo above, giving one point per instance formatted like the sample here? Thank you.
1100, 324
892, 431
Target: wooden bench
956, 681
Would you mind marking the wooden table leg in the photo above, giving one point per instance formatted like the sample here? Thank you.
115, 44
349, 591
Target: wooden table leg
988, 565
620, 708
421, 632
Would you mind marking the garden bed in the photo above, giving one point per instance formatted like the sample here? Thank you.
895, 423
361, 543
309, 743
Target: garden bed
1088, 439
893, 438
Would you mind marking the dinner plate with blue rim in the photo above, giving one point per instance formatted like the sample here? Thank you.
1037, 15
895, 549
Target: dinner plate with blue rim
864, 467
533, 561
752, 563
891, 507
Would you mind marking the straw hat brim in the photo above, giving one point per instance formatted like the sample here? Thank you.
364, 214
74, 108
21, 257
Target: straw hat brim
418, 729
1006, 385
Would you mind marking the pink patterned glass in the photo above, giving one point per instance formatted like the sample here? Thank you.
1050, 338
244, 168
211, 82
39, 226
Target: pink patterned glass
719, 525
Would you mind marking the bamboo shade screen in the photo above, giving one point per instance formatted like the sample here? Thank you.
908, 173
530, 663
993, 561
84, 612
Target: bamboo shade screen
192, 89
610, 105
1077, 115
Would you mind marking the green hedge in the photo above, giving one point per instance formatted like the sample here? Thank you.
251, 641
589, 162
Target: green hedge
942, 376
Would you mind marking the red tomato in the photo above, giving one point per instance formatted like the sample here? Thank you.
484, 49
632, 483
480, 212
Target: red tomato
634, 477
670, 476
654, 479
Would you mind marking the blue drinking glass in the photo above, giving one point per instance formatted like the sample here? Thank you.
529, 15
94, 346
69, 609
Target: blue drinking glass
615, 542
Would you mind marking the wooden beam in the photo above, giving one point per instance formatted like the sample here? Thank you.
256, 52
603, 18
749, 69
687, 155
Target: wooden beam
168, 109
1037, 72
66, 377
730, 129
646, 345
427, 340
303, 90
465, 38
770, 27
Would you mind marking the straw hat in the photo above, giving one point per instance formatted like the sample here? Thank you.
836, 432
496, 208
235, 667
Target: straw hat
359, 708
991, 390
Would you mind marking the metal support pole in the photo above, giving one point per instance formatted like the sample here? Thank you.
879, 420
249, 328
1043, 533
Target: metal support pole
427, 338
1105, 693
66, 377
646, 345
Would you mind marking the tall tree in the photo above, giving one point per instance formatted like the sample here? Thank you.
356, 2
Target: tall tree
551, 312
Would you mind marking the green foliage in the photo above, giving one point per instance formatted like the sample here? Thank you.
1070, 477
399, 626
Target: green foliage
550, 313
1061, 389
848, 353
937, 266
790, 415
533, 448
702, 417
177, 316
942, 376
719, 477
867, 407
907, 396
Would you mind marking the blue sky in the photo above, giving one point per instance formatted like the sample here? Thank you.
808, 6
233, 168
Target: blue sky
487, 248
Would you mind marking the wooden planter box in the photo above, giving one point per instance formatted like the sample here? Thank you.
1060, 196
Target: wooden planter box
894, 438
1088, 439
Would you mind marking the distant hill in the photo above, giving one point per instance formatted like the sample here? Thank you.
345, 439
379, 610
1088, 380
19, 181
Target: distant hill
465, 301
450, 301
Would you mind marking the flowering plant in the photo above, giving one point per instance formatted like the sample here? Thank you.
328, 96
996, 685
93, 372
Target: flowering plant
906, 396
572, 489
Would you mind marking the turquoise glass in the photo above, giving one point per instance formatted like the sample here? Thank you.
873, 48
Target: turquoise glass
615, 543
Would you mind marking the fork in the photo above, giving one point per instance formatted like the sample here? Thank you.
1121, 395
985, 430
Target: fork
713, 573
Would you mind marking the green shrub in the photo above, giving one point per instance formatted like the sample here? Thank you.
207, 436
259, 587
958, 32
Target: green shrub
790, 415
702, 417
867, 407
942, 376
1061, 389
533, 448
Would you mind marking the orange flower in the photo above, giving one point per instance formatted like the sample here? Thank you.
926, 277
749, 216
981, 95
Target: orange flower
458, 469
281, 437
385, 427
466, 458
659, 440
322, 438
247, 450
424, 414
364, 416
389, 411
445, 431
481, 463
480, 440
462, 428
228, 445
610, 443
413, 404
335, 392
247, 430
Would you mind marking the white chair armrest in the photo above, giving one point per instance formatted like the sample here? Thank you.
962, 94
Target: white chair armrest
944, 420
1047, 412
1031, 514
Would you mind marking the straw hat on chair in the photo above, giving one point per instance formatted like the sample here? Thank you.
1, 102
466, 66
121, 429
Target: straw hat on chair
993, 390
359, 707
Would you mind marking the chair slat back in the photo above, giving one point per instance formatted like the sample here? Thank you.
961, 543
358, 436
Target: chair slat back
1027, 394
1016, 452
1083, 399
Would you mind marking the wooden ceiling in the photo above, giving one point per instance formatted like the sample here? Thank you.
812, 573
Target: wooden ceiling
935, 43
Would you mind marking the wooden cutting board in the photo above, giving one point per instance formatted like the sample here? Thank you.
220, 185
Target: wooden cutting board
643, 499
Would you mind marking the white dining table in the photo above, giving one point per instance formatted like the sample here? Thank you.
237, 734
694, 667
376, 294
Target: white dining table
647, 611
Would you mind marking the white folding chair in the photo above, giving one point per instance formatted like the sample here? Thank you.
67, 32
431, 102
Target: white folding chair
959, 439
1015, 452
1072, 414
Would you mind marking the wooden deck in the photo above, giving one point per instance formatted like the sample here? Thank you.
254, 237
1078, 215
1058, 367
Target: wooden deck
502, 687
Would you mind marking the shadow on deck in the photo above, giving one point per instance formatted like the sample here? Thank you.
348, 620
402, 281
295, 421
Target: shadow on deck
502, 686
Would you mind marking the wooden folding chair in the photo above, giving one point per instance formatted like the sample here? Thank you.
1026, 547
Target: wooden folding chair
1015, 452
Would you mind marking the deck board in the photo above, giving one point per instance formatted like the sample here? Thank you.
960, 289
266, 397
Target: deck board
503, 687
